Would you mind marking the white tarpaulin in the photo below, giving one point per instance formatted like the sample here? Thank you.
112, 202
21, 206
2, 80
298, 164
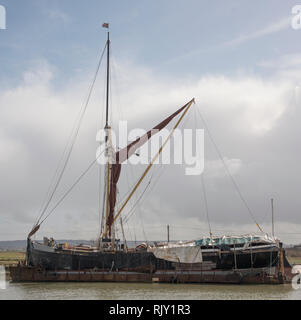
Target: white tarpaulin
185, 254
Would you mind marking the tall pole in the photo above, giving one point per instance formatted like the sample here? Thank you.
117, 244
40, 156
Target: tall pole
272, 204
108, 80
168, 233
107, 129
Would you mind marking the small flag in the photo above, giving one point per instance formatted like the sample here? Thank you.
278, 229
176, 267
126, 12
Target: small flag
105, 25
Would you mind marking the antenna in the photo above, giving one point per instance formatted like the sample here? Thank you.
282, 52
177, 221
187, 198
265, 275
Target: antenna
168, 233
272, 204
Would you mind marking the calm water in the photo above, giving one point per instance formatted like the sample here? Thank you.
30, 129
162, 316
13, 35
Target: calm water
115, 291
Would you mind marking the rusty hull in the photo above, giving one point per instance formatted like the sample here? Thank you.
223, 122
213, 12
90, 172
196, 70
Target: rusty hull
249, 276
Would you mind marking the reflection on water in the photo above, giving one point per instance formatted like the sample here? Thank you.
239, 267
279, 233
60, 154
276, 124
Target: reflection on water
132, 291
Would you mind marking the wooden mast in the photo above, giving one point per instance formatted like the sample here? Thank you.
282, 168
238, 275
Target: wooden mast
107, 137
108, 80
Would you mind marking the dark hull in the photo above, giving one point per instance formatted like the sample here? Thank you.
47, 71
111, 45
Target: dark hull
135, 261
238, 276
262, 266
143, 261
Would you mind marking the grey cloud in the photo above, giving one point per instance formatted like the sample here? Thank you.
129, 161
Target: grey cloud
254, 122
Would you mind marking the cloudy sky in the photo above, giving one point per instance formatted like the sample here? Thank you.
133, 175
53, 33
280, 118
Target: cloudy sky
241, 60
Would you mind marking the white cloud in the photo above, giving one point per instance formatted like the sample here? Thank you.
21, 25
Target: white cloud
216, 168
287, 66
267, 30
249, 101
35, 121
272, 28
283, 62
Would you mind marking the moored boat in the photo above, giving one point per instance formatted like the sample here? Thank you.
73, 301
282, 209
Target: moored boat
224, 259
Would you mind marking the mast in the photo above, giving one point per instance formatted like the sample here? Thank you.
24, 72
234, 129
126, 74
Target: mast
108, 81
108, 142
107, 128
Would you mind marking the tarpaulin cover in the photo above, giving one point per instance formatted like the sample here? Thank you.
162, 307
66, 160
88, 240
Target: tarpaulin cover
229, 240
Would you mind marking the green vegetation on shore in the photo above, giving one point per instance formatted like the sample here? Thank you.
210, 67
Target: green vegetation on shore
294, 260
8, 258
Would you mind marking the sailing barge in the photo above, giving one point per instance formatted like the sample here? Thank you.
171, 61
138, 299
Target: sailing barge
246, 259
227, 259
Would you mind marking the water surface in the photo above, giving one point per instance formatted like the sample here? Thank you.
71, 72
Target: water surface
152, 291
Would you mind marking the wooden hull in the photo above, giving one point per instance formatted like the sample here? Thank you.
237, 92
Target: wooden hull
144, 261
241, 266
240, 276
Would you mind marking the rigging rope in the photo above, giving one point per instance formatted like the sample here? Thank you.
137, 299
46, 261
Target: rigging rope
160, 172
72, 187
72, 139
130, 213
228, 172
204, 187
206, 205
